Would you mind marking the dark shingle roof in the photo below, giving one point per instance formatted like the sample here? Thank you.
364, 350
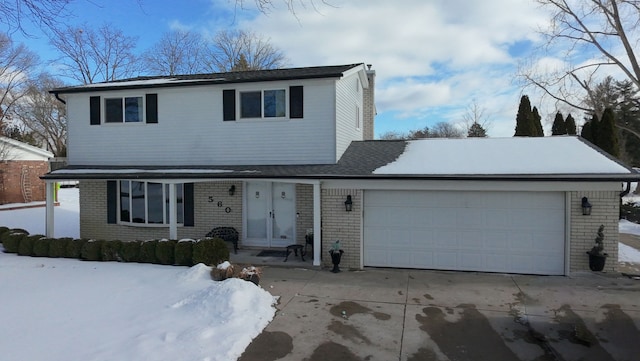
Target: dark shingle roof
334, 71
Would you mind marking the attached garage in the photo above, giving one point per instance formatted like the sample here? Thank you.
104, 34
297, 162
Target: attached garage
513, 232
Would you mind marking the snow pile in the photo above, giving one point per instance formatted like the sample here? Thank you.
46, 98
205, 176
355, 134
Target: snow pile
62, 309
628, 254
627, 227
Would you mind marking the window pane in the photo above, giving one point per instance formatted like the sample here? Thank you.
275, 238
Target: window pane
137, 202
125, 205
274, 103
250, 105
179, 203
133, 109
113, 109
155, 202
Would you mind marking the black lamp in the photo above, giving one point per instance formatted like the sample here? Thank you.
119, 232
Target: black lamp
348, 204
586, 207
232, 190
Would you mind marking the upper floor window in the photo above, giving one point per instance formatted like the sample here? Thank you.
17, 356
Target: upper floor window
133, 109
127, 110
272, 103
263, 104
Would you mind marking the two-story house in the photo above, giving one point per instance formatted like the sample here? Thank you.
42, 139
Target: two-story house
275, 153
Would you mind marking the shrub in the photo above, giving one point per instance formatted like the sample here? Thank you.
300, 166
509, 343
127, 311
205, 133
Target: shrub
148, 251
74, 248
58, 247
111, 251
41, 247
210, 251
92, 250
131, 251
26, 244
165, 251
3, 230
184, 252
12, 241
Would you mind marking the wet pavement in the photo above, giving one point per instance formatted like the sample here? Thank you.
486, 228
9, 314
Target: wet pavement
411, 315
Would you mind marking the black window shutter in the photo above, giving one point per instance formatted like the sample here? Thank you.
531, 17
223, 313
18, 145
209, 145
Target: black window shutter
152, 108
112, 202
229, 104
296, 102
188, 205
94, 110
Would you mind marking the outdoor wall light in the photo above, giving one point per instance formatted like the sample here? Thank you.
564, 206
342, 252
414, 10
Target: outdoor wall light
283, 195
232, 190
586, 207
348, 204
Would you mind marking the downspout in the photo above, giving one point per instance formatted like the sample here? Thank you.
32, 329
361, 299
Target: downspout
57, 95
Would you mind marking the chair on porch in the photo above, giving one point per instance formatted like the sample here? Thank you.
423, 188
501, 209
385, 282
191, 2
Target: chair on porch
227, 234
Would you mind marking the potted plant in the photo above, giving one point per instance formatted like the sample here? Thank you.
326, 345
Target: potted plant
597, 256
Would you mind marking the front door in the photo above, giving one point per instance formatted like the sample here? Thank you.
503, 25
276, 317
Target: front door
271, 214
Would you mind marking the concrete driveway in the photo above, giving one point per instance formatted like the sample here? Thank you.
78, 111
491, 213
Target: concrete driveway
413, 315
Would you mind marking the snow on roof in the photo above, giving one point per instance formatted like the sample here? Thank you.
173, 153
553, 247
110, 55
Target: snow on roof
517, 155
16, 150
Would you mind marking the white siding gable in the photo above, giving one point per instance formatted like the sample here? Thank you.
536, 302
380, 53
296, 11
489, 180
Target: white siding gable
349, 106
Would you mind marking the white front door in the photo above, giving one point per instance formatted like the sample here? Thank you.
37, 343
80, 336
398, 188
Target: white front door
271, 214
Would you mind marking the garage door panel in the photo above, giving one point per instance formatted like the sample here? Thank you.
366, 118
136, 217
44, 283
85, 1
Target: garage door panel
478, 231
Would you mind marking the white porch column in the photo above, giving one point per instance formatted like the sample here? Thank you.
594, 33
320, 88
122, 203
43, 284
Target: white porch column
317, 232
173, 212
50, 190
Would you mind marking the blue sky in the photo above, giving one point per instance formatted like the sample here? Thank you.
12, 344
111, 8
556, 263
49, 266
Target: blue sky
432, 58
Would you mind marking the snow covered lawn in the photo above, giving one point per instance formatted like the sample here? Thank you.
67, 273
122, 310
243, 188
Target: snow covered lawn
65, 309
62, 309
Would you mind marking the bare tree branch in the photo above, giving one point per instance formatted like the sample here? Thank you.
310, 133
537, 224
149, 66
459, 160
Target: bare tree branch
16, 64
234, 50
41, 13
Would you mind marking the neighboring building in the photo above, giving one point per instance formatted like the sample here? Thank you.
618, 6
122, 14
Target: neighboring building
275, 153
21, 166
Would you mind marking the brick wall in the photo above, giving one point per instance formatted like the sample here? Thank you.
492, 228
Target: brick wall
369, 107
304, 209
11, 180
338, 224
584, 228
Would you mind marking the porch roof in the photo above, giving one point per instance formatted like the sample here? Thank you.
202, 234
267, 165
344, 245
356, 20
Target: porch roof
375, 160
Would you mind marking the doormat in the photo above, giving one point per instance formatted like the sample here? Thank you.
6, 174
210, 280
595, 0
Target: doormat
272, 253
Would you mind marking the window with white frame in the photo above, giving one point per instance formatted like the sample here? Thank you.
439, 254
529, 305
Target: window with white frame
148, 202
263, 104
123, 110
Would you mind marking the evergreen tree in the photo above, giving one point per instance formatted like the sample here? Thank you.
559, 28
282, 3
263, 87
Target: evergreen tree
524, 118
476, 131
607, 136
570, 125
589, 128
559, 126
536, 123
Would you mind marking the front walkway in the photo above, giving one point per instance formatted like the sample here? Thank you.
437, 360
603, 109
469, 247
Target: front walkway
379, 314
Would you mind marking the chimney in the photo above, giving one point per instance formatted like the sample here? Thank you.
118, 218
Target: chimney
369, 106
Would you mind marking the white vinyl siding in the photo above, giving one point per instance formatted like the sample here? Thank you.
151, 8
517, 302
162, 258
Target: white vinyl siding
347, 99
191, 130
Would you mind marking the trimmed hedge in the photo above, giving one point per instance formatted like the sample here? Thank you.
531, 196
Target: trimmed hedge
26, 244
210, 251
12, 240
58, 247
111, 251
184, 252
41, 247
3, 230
165, 251
92, 250
74, 248
148, 251
131, 251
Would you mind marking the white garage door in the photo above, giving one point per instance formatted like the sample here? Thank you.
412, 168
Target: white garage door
513, 232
